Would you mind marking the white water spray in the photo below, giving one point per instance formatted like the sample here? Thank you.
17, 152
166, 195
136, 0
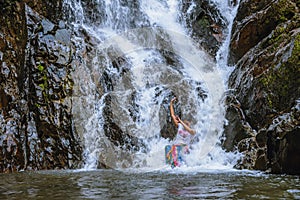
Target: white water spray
149, 78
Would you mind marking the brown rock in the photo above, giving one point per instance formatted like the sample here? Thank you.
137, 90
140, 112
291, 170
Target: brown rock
265, 49
255, 21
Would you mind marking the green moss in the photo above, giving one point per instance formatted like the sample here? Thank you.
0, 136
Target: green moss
282, 79
270, 102
279, 34
285, 10
40, 67
296, 51
204, 23
44, 85
282, 18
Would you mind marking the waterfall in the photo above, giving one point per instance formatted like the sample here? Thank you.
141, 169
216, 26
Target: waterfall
131, 58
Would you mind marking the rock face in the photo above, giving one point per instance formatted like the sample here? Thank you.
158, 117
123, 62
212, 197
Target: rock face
206, 24
35, 104
263, 110
12, 54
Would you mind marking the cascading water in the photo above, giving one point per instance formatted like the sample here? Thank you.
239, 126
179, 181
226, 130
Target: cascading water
131, 59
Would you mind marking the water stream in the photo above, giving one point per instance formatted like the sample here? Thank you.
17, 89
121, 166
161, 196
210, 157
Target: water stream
133, 58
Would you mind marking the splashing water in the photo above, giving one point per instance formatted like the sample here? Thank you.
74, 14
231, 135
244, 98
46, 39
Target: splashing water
131, 58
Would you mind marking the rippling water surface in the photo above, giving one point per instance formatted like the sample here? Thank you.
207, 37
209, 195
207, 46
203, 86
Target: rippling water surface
163, 184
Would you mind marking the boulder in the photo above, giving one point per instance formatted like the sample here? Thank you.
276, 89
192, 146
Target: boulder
283, 139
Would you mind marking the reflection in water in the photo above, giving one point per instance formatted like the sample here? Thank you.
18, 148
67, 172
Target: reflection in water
167, 184
29, 185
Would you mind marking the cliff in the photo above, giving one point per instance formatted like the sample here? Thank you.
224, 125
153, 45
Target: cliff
263, 109
35, 104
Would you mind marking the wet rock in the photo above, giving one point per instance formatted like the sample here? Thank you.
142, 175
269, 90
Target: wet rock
35, 115
266, 79
265, 49
261, 138
96, 14
248, 147
255, 21
261, 162
63, 35
47, 26
13, 37
206, 24
49, 10
12, 154
114, 132
237, 127
283, 138
49, 67
254, 157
